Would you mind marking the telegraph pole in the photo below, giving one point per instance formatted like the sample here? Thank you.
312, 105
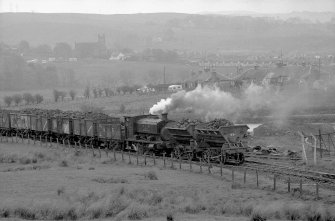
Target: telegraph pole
164, 75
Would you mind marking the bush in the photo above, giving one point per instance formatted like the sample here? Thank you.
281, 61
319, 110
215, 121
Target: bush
151, 175
110, 180
63, 163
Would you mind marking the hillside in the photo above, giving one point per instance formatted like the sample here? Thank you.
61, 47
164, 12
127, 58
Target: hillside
169, 31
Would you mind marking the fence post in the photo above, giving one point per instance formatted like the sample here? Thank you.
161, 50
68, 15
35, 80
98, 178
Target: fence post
41, 140
171, 161
300, 185
145, 159
137, 157
28, 139
221, 165
289, 184
92, 150
257, 178
233, 175
34, 139
209, 165
245, 176
63, 143
99, 151
200, 165
50, 141
114, 153
190, 162
16, 138
122, 157
179, 161
274, 182
57, 142
164, 160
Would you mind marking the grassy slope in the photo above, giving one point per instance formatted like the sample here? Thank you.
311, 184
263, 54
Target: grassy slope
58, 187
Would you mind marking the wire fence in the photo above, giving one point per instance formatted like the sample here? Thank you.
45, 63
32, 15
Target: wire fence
239, 176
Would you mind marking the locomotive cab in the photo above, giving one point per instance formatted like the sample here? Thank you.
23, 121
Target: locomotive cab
143, 133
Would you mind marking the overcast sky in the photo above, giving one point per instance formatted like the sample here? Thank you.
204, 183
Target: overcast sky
148, 6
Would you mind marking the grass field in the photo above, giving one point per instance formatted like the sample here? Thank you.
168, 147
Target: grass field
55, 183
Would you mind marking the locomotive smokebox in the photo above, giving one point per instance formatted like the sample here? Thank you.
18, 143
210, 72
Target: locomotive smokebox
164, 116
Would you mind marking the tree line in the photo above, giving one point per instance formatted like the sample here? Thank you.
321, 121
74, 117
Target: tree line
28, 98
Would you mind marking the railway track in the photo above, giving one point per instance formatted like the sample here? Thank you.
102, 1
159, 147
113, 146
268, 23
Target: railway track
327, 179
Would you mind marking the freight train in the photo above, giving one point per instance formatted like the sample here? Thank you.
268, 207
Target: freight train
216, 141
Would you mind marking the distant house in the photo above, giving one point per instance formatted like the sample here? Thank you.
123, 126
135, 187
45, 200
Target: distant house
91, 49
118, 57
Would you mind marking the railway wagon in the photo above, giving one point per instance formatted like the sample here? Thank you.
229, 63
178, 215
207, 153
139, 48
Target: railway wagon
143, 133
110, 133
5, 128
226, 142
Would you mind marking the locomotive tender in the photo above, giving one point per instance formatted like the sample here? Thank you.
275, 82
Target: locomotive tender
141, 133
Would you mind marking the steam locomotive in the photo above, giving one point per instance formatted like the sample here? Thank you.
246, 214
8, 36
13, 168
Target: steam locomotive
142, 133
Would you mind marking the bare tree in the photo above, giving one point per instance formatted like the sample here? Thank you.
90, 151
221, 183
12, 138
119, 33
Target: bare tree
56, 95
17, 99
28, 98
38, 98
87, 92
72, 94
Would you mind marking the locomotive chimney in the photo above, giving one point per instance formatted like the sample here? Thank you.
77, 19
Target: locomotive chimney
164, 116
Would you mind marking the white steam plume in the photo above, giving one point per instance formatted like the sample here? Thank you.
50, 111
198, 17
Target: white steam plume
212, 103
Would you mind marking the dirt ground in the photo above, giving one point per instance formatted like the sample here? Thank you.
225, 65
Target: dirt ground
58, 183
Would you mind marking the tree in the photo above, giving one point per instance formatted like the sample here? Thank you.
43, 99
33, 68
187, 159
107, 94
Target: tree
17, 98
28, 98
43, 51
56, 95
95, 93
62, 50
87, 92
38, 98
8, 100
62, 95
72, 94
24, 46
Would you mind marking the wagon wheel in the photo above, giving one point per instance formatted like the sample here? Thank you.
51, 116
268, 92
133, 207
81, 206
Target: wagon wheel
176, 152
206, 155
241, 158
223, 158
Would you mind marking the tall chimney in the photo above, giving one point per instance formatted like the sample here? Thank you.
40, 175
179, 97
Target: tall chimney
164, 116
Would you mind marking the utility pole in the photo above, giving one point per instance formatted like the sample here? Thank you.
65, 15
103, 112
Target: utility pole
164, 75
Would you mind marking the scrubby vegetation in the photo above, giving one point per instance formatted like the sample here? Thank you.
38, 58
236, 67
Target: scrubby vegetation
138, 203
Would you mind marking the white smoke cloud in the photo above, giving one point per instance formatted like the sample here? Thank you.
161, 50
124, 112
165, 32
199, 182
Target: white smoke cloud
210, 103
213, 103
